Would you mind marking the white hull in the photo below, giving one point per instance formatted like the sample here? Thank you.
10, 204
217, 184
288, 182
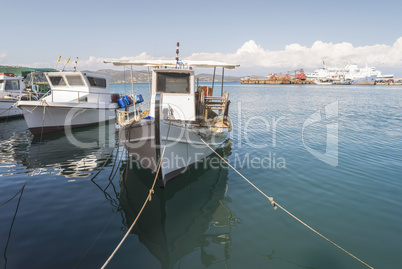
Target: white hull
322, 83
184, 147
50, 117
7, 111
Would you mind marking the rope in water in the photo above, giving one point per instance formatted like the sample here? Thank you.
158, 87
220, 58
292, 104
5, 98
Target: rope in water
110, 219
103, 166
22, 188
148, 199
275, 204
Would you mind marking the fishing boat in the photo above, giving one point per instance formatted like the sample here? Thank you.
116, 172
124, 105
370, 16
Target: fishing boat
180, 121
12, 89
75, 99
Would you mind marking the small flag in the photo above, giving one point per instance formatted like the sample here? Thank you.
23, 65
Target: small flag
68, 60
59, 59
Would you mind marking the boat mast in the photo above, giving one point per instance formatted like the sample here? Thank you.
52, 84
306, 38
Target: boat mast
177, 55
149, 83
213, 79
132, 89
223, 75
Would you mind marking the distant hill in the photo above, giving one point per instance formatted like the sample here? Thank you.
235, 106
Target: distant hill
118, 76
142, 76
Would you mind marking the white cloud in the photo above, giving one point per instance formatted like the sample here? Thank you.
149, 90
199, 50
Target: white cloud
3, 55
252, 56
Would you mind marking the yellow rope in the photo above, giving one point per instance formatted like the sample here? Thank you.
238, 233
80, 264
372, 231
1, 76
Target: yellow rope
149, 198
271, 199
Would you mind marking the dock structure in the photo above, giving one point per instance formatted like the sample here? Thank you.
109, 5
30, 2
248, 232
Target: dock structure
275, 80
393, 81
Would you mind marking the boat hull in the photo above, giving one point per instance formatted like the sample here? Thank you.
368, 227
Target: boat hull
184, 147
364, 81
7, 110
52, 117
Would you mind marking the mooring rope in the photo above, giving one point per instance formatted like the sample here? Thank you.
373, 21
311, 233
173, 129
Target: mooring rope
114, 166
275, 204
103, 166
8, 115
22, 188
8, 109
12, 225
41, 131
148, 199
114, 213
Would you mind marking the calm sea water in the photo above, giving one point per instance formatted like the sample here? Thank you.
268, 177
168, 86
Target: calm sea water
330, 155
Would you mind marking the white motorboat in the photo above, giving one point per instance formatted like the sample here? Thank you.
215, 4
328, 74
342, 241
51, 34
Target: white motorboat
12, 89
75, 99
180, 117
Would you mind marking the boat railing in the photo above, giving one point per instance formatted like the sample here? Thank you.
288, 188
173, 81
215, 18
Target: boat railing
126, 117
29, 95
45, 95
78, 100
218, 103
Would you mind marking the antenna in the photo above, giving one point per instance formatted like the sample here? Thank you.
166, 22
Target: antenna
58, 62
75, 66
177, 53
66, 64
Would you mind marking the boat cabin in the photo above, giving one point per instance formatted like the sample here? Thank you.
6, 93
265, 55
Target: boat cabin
77, 87
173, 89
176, 86
10, 85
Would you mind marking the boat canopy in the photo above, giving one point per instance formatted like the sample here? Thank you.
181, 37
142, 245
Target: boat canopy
162, 63
23, 71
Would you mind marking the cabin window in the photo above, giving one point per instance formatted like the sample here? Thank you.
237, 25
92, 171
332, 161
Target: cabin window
173, 82
12, 85
1, 84
57, 81
97, 82
75, 80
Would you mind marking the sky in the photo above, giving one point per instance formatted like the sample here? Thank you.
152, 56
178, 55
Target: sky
262, 36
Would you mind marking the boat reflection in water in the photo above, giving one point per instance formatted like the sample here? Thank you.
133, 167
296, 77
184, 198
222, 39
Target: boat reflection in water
190, 217
75, 155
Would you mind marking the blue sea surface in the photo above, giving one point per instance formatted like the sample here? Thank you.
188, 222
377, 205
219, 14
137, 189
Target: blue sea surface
330, 155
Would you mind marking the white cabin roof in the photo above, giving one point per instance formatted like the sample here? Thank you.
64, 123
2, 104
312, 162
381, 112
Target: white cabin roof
85, 74
156, 63
6, 77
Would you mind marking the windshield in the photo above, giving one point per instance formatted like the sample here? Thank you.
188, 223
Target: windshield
97, 82
1, 84
173, 82
12, 85
57, 81
75, 80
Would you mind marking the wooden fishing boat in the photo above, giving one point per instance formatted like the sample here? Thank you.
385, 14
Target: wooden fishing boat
178, 121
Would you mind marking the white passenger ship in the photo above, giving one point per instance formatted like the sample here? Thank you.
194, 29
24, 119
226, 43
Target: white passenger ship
349, 72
